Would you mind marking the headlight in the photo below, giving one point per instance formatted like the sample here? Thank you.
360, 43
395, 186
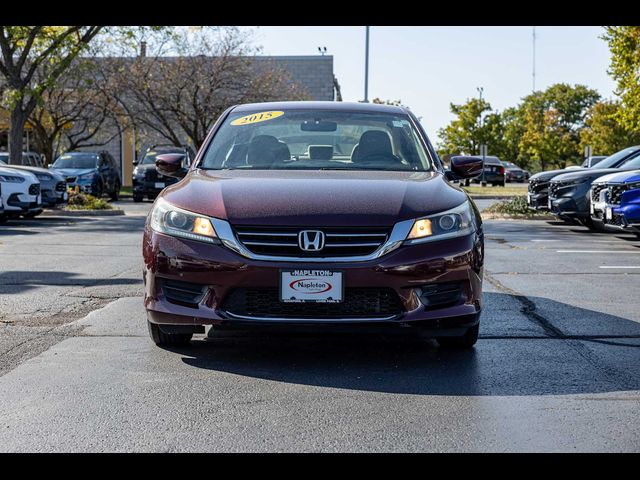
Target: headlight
578, 181
165, 218
11, 178
633, 186
43, 176
456, 222
86, 176
138, 173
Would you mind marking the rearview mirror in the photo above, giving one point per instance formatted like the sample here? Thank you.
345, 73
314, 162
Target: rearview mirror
466, 167
318, 126
170, 165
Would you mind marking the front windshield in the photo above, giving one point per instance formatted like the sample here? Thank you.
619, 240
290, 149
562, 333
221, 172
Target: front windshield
632, 164
611, 161
4, 158
82, 161
316, 140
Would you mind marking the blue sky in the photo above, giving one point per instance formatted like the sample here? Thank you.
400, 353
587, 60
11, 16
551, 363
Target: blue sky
429, 67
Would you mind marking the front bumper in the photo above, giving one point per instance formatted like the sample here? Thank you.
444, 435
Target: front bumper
150, 188
456, 261
538, 201
22, 204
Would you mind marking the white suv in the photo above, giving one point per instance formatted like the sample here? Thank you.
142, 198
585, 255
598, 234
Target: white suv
20, 193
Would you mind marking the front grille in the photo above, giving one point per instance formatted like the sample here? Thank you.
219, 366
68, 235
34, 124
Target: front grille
183, 293
61, 186
150, 175
615, 193
357, 303
555, 187
70, 179
595, 192
537, 186
34, 189
339, 241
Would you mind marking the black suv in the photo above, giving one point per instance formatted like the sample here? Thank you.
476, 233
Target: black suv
147, 182
494, 171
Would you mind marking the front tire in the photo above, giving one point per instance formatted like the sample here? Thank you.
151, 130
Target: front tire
468, 340
167, 339
116, 192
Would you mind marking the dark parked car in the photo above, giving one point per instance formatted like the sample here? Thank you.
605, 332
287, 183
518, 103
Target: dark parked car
147, 182
514, 173
263, 232
538, 195
494, 171
95, 173
569, 193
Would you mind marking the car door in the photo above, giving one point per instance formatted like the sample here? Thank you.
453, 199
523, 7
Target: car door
115, 171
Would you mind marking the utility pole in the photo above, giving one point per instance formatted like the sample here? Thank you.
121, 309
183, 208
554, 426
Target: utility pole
534, 59
366, 67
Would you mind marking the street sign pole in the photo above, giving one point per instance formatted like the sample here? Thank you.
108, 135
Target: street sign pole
483, 152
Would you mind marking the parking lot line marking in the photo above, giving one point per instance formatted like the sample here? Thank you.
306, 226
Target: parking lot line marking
619, 266
598, 251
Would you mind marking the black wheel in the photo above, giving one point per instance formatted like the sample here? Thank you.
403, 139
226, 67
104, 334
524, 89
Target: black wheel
467, 340
116, 192
3, 219
138, 198
167, 339
30, 215
99, 191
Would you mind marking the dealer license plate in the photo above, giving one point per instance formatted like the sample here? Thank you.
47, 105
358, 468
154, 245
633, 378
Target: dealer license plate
321, 286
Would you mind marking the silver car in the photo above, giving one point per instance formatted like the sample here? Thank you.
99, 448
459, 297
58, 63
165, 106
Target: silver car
53, 185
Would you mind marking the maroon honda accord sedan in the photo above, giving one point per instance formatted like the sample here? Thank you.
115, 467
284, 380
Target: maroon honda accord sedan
315, 215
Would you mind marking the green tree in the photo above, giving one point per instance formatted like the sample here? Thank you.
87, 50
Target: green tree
469, 130
604, 131
553, 120
25, 51
624, 45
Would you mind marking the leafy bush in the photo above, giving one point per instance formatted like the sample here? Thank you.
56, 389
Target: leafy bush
83, 201
513, 206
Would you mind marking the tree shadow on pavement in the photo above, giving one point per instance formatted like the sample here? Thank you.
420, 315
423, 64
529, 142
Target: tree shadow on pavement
498, 365
17, 281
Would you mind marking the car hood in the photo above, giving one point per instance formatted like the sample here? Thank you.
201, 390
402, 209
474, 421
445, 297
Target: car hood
631, 176
548, 175
587, 173
18, 173
314, 198
69, 172
55, 175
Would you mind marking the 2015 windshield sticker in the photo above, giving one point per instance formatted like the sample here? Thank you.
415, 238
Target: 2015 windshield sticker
257, 117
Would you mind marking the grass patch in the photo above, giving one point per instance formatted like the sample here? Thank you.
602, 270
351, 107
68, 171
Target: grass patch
83, 201
495, 191
126, 190
513, 206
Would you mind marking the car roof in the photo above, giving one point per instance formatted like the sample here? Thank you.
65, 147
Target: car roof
322, 105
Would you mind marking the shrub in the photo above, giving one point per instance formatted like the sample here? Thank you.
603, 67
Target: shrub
83, 201
513, 206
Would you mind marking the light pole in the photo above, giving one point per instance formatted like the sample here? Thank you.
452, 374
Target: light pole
366, 67
483, 148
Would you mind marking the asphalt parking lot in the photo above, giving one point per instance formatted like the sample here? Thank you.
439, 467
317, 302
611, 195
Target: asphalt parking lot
557, 367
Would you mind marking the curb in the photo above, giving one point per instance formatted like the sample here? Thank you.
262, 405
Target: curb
82, 213
506, 216
494, 197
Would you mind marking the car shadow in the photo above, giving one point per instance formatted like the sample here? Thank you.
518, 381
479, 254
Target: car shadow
498, 365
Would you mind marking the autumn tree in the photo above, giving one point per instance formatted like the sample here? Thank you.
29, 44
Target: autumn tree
604, 131
179, 97
624, 45
25, 51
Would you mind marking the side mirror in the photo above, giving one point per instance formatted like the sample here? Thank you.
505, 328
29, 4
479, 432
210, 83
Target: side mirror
170, 165
466, 167
449, 175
